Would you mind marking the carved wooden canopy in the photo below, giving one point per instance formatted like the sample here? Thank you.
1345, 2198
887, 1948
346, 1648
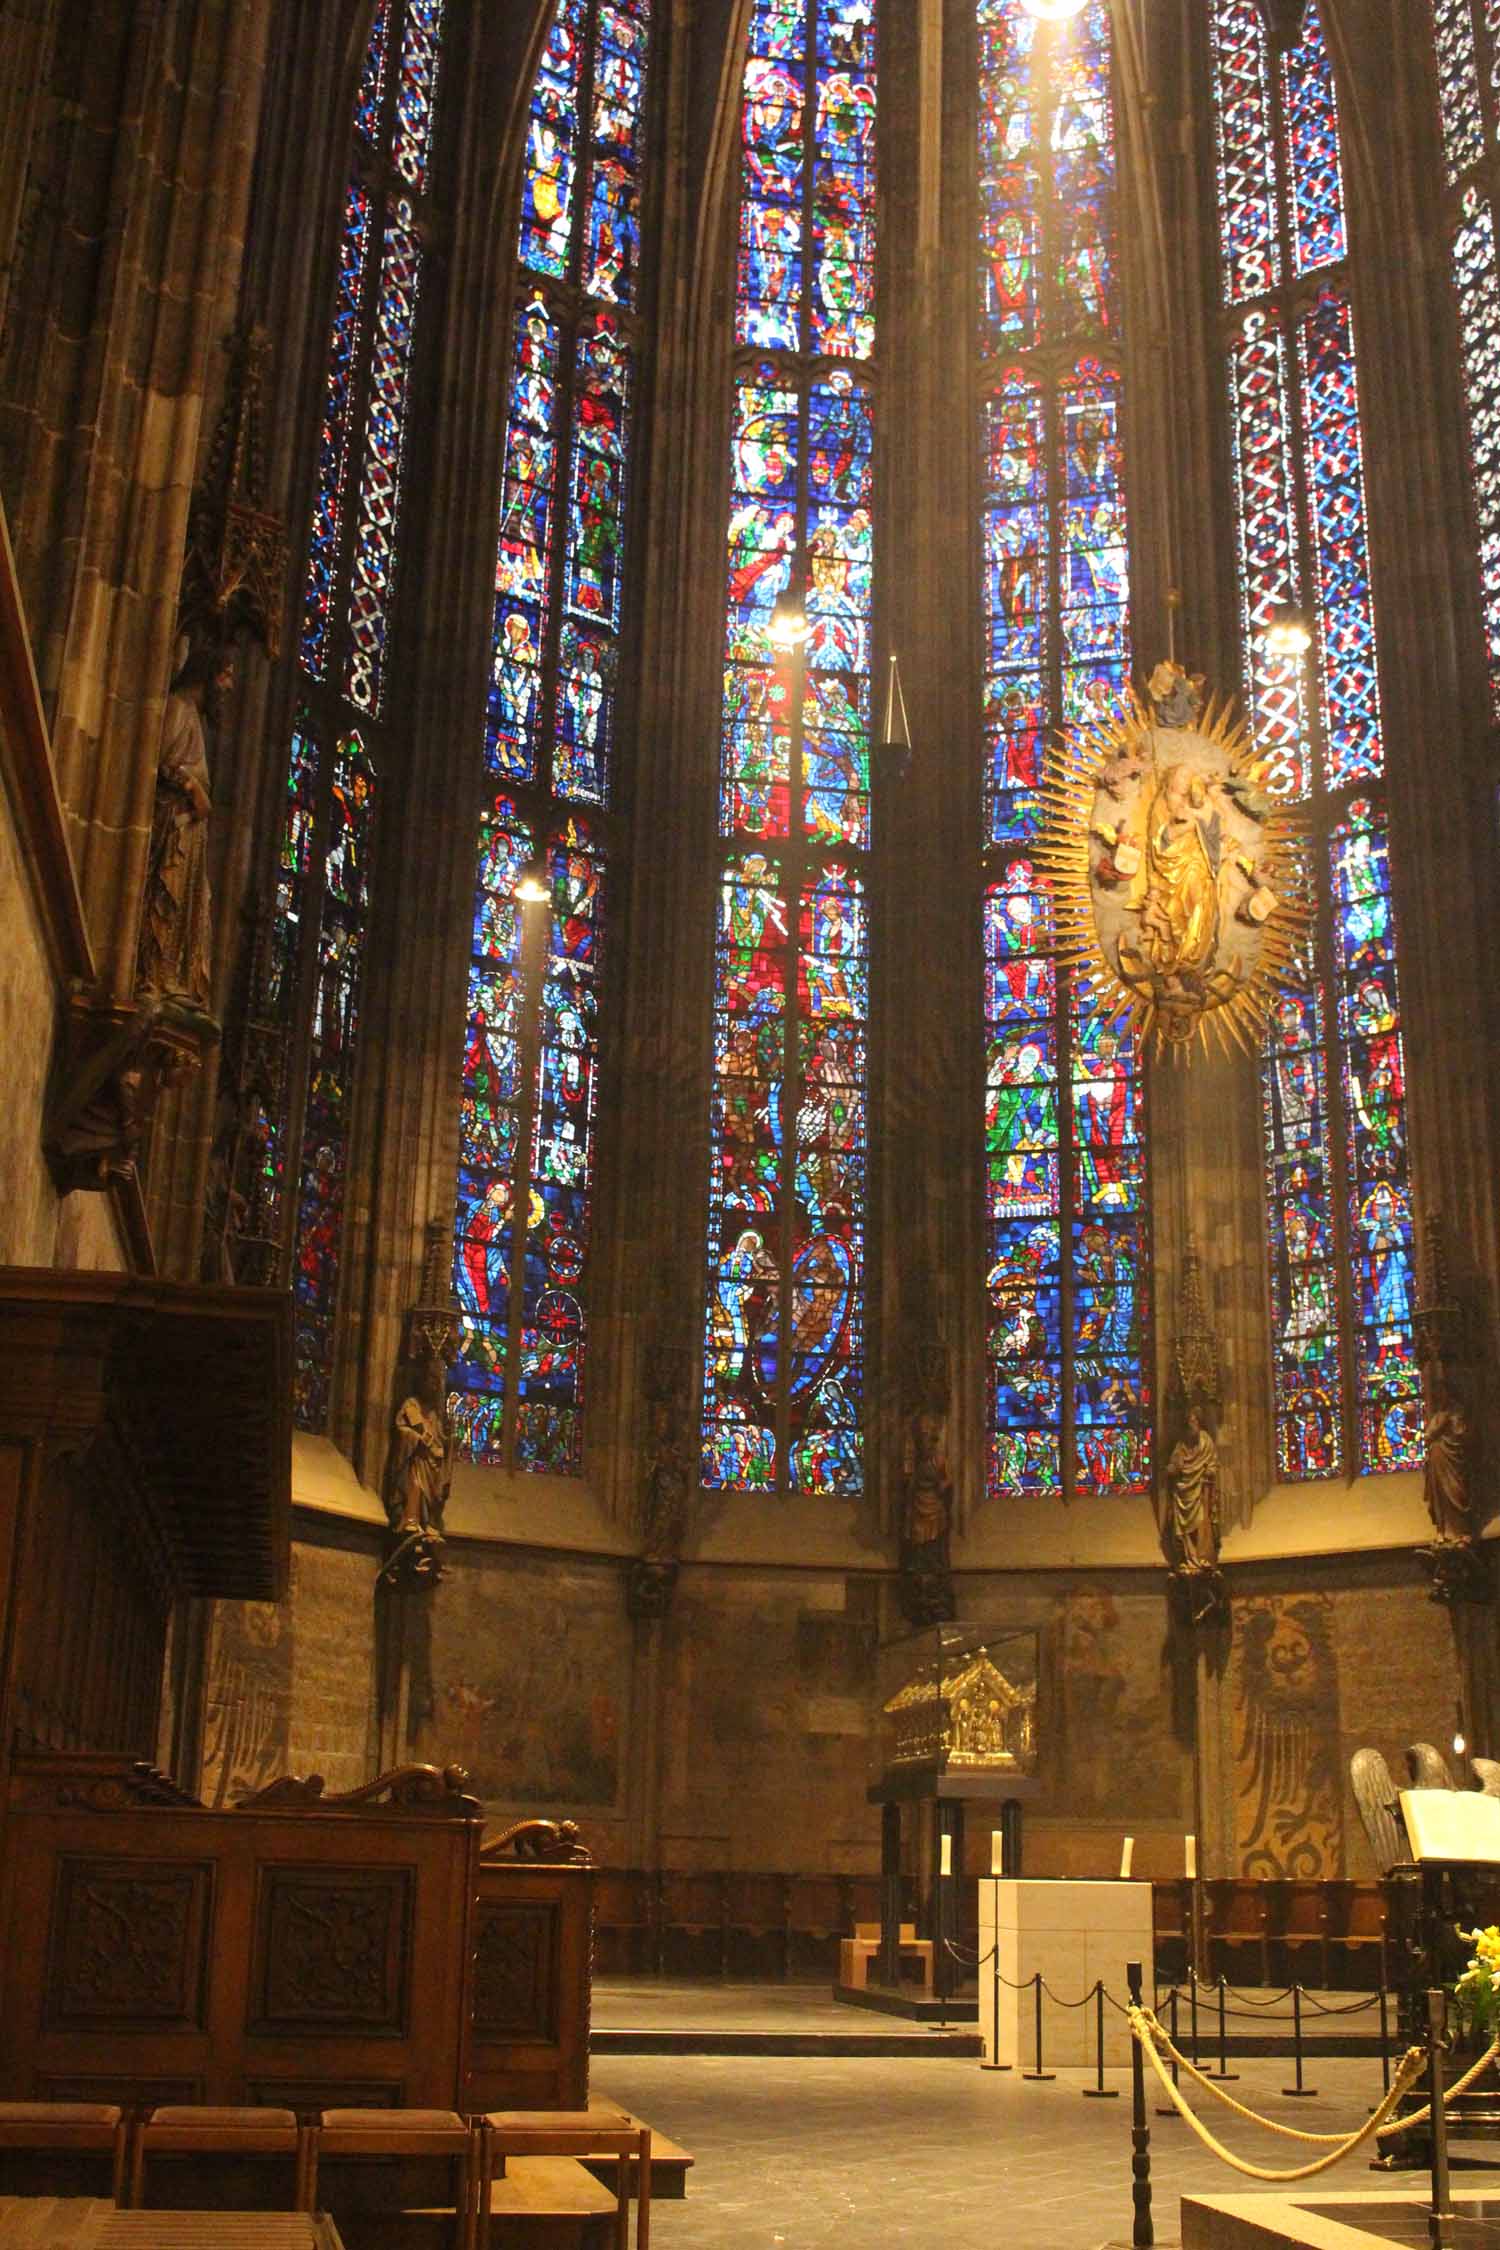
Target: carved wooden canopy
180, 1395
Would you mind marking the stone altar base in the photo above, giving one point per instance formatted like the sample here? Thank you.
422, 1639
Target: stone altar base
1322, 2219
1075, 1933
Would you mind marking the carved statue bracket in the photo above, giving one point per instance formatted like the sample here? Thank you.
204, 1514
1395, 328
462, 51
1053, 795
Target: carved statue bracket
1458, 1571
1284, 20
1199, 1594
649, 1587
116, 1059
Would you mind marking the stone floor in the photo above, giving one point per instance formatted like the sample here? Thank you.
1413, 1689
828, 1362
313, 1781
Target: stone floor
887, 2154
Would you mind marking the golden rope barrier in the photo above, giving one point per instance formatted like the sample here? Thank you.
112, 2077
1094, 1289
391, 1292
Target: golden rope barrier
1147, 2030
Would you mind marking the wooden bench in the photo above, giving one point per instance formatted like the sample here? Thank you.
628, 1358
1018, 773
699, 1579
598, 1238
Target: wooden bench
857, 1953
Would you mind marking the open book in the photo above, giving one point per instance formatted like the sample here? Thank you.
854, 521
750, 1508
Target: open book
1452, 1824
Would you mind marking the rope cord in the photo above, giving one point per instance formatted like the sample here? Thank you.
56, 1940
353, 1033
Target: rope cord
1146, 2030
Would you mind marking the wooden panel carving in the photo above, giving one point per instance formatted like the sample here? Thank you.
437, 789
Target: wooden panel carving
515, 1972
128, 1944
332, 1950
303, 2094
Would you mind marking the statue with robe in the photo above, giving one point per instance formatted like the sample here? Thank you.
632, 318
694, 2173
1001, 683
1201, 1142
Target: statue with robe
1445, 1478
176, 943
927, 1517
418, 1477
1192, 1479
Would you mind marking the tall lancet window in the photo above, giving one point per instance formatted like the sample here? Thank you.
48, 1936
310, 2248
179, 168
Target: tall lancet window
1467, 33
328, 824
526, 1129
1338, 1196
783, 1335
1068, 1383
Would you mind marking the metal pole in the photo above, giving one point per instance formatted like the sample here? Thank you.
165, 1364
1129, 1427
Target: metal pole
1165, 2109
1297, 2092
1038, 2073
1442, 2200
1099, 2092
1193, 2016
1223, 2070
1385, 2046
1142, 2235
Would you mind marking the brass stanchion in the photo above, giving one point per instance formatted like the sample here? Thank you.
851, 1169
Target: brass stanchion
1142, 2234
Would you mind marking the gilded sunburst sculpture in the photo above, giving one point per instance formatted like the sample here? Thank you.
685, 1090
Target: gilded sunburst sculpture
1180, 882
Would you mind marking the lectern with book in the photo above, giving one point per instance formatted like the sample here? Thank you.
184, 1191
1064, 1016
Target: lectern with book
1452, 1883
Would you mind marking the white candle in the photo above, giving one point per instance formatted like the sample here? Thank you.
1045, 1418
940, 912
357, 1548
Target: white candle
997, 1851
945, 1860
1190, 1858
1127, 1854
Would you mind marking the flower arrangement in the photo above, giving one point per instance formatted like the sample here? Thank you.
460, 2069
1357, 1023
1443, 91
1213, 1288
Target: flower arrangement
1477, 1992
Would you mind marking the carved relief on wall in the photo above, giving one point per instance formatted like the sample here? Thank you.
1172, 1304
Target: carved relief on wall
128, 1945
515, 1982
331, 1949
1287, 1781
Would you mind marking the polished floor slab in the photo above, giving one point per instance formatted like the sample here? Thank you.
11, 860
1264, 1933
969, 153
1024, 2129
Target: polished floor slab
877, 2154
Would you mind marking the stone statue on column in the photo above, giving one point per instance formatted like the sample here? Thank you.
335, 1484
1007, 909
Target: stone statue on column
1454, 1557
926, 1582
419, 1464
1188, 1506
666, 1483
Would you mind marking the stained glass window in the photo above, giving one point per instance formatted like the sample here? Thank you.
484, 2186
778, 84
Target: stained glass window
1068, 1389
783, 1351
1332, 1078
310, 974
1467, 37
526, 1118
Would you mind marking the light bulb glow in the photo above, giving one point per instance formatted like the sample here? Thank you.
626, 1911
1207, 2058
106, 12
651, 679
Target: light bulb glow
1288, 632
789, 626
1053, 11
532, 888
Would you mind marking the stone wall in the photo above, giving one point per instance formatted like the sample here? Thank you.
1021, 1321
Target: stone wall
741, 1730
290, 1687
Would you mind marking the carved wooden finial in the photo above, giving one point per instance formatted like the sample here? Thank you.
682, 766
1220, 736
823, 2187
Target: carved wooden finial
1196, 1348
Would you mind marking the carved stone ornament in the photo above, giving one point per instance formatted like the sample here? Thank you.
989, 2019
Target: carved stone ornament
235, 566
555, 1842
1180, 899
115, 1060
413, 1789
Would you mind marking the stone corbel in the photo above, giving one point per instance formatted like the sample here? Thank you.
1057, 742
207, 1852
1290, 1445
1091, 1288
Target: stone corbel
116, 1057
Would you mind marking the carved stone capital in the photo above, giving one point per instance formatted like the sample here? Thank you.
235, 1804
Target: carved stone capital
1458, 1570
116, 1059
